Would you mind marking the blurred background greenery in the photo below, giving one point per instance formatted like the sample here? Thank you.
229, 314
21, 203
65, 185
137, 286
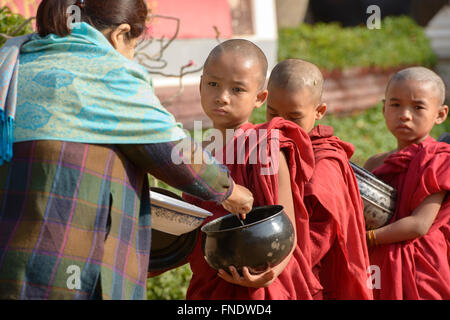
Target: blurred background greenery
330, 46
11, 22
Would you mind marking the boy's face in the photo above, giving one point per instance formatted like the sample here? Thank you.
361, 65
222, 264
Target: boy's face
300, 106
411, 109
230, 88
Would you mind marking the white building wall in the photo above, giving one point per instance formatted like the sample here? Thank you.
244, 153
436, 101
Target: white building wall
438, 30
181, 51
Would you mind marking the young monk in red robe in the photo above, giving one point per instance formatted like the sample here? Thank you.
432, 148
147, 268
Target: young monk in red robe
232, 86
412, 251
337, 228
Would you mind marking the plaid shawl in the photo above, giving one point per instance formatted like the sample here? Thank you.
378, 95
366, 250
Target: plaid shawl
73, 224
75, 218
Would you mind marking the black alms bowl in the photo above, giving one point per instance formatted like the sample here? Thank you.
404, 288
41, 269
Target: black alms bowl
265, 239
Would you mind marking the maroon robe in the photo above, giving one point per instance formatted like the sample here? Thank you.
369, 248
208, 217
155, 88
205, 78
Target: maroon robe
418, 268
338, 242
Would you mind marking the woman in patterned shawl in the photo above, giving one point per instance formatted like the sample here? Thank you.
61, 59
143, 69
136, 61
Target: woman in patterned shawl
80, 129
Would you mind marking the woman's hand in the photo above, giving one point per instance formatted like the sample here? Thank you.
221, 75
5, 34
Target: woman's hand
247, 279
240, 201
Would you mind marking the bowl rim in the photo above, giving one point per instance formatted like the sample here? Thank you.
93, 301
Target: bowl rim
382, 190
245, 226
372, 180
158, 199
178, 221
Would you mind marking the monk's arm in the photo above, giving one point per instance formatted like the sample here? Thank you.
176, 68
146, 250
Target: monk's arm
414, 226
285, 199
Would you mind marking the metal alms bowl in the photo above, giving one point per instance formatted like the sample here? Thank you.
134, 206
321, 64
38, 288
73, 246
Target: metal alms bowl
265, 239
172, 215
378, 197
174, 232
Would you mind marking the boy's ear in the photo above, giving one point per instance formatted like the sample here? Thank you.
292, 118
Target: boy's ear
384, 104
261, 98
321, 109
442, 114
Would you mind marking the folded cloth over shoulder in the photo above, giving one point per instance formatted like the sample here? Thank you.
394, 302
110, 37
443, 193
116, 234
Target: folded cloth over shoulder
338, 241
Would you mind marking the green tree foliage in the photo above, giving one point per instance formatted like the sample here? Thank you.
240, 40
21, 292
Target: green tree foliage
400, 41
10, 22
171, 285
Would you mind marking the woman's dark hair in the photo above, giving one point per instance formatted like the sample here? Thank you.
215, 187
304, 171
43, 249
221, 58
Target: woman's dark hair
52, 16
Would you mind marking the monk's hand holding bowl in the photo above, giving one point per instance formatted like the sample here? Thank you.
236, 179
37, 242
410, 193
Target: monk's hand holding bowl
248, 279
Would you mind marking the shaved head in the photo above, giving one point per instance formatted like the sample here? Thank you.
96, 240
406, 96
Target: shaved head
296, 74
245, 49
423, 75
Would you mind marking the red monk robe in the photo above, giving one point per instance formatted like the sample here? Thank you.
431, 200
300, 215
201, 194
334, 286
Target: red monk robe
338, 242
297, 280
419, 268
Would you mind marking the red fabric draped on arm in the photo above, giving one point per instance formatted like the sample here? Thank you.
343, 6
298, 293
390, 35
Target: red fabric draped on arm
339, 251
418, 268
297, 280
